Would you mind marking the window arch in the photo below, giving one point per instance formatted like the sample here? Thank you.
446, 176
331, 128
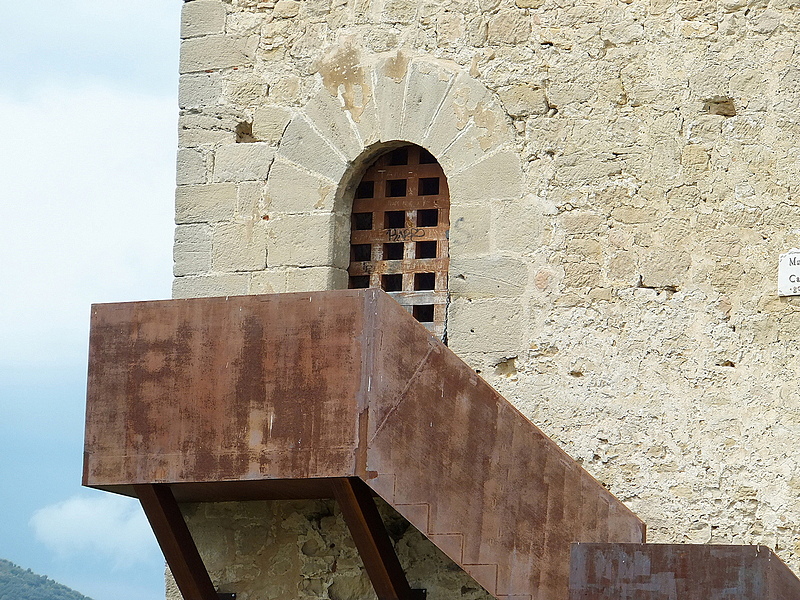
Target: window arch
399, 233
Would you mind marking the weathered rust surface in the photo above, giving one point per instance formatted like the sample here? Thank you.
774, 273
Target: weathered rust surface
275, 395
473, 474
221, 389
679, 572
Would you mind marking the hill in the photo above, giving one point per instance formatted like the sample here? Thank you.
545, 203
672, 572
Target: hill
17, 583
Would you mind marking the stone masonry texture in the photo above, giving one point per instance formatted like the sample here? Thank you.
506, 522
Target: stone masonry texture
623, 177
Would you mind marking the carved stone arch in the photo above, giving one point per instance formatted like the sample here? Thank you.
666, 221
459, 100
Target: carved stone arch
366, 103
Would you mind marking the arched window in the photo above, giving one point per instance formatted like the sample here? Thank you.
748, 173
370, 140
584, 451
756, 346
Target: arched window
399, 237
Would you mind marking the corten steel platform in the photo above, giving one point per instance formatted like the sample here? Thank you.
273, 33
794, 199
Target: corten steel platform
679, 572
333, 394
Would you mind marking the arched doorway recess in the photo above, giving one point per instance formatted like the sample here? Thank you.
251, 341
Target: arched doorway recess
399, 237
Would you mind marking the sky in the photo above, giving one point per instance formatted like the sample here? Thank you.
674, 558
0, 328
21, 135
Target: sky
88, 135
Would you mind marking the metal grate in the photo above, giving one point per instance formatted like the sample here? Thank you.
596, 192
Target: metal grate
399, 237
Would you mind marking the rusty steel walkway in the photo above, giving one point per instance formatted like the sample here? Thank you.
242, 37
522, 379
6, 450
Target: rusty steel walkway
336, 395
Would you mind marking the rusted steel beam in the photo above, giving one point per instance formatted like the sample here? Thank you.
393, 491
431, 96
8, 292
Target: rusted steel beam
373, 543
679, 572
251, 397
176, 541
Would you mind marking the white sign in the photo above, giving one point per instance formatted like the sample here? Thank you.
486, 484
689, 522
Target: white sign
789, 273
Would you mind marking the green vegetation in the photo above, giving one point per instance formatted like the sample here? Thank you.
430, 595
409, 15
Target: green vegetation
17, 583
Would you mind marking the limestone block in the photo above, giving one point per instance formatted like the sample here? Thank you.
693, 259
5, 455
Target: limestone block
400, 11
202, 17
563, 93
286, 9
582, 274
346, 75
199, 90
427, 86
488, 132
633, 214
193, 137
239, 246
244, 88
469, 230
191, 167
529, 3
581, 222
487, 277
216, 52
390, 80
294, 190
665, 268
207, 286
450, 27
497, 177
192, 250
509, 27
242, 162
466, 97
269, 281
313, 279
244, 23
477, 31
205, 203
520, 225
697, 29
303, 145
623, 268
329, 118
251, 203
484, 325
524, 100
302, 241
201, 130
625, 32
695, 160
269, 123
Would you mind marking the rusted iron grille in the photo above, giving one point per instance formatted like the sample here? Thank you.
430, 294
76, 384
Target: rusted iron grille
399, 238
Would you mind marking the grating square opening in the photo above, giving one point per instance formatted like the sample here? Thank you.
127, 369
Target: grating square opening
393, 251
425, 250
428, 217
394, 219
361, 252
396, 188
424, 281
429, 186
362, 221
398, 157
400, 223
392, 283
358, 282
365, 189
423, 313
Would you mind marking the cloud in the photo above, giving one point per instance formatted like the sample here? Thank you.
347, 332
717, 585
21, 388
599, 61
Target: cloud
109, 525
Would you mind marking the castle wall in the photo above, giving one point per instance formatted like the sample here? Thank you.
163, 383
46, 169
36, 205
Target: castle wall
623, 177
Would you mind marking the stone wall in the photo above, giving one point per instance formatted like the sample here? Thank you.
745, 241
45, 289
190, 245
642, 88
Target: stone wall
302, 550
623, 177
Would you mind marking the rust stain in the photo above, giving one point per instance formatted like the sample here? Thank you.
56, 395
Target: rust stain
396, 67
684, 571
342, 72
277, 396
